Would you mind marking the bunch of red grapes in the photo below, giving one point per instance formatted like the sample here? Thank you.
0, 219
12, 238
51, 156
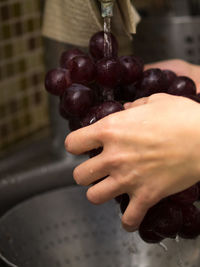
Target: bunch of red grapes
91, 86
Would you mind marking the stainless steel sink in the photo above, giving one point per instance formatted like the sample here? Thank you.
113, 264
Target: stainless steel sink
34, 169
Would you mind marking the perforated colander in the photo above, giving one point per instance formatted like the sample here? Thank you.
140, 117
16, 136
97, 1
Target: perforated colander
62, 229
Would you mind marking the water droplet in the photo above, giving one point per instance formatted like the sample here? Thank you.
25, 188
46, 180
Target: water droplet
177, 239
163, 246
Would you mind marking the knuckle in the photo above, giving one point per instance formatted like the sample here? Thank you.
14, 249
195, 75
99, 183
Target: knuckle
157, 96
114, 161
148, 198
107, 129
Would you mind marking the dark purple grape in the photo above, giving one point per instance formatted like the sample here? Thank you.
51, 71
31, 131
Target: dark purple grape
90, 117
74, 124
147, 233
62, 112
146, 229
57, 80
153, 81
131, 92
124, 202
108, 72
96, 45
107, 108
182, 86
118, 93
132, 69
107, 94
191, 222
77, 100
95, 152
198, 184
82, 69
68, 55
169, 220
170, 76
196, 98
188, 196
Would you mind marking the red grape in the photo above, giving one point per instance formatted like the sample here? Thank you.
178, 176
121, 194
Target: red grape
131, 92
107, 108
108, 72
198, 184
182, 86
90, 117
196, 98
96, 45
132, 69
124, 202
169, 220
188, 196
82, 69
107, 94
147, 233
191, 222
170, 76
164, 219
57, 80
74, 124
69, 55
153, 82
62, 111
77, 99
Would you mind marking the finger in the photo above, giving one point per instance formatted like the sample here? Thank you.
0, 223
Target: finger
90, 171
134, 214
104, 191
136, 103
82, 140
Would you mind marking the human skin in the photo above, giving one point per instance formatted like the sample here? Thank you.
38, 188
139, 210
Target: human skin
150, 150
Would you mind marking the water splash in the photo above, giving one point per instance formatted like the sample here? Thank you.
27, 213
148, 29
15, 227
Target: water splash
163, 246
177, 239
107, 37
179, 255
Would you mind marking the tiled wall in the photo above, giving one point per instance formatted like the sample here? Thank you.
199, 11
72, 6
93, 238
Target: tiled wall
23, 101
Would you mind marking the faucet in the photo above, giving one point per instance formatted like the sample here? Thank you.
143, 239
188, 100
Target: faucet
107, 8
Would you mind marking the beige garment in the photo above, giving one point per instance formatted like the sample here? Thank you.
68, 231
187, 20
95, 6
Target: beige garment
75, 21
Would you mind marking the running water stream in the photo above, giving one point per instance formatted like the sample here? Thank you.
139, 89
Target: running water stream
107, 37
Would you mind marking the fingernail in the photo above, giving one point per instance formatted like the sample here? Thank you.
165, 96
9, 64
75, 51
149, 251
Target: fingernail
130, 228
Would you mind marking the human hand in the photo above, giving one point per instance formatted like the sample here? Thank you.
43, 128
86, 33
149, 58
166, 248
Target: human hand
150, 151
181, 68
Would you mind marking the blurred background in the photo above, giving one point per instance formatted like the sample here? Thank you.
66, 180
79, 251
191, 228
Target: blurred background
23, 101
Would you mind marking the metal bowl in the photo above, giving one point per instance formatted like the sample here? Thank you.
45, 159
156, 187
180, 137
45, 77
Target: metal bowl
61, 228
